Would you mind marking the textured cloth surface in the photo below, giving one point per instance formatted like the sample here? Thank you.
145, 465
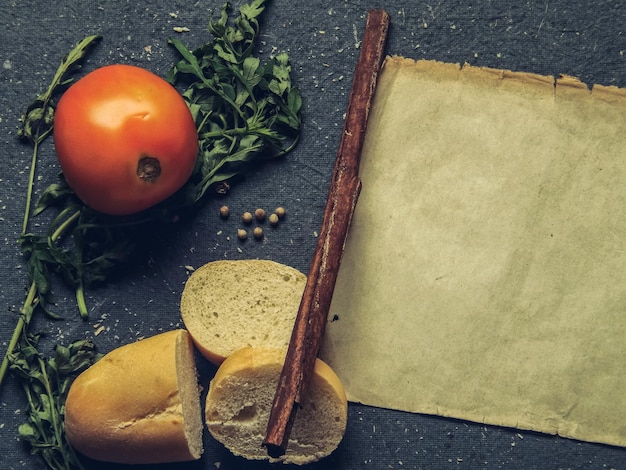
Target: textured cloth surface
322, 37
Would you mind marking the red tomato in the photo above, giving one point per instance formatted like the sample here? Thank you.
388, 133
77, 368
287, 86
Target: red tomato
125, 139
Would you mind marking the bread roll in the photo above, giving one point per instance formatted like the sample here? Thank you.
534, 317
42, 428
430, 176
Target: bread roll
240, 399
140, 403
227, 305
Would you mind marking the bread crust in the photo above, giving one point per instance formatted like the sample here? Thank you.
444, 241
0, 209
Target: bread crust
127, 408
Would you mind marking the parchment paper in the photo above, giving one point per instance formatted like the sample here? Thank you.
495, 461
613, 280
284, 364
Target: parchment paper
484, 276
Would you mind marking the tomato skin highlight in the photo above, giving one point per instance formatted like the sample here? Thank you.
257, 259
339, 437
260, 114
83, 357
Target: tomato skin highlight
125, 139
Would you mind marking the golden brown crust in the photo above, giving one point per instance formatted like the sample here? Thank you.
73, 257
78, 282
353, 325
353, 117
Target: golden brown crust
126, 408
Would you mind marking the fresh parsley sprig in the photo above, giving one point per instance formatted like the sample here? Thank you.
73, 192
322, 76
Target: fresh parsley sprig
46, 383
244, 110
37, 124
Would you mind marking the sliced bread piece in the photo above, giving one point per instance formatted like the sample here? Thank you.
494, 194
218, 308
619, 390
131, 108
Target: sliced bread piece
139, 404
240, 399
227, 305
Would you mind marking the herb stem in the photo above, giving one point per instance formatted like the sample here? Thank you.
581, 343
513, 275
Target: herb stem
56, 420
31, 183
235, 131
64, 226
19, 328
58, 233
80, 301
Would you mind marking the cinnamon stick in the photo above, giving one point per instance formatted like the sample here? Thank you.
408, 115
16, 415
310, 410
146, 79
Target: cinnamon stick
343, 193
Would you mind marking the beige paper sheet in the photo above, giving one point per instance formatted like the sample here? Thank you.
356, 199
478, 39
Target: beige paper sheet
484, 276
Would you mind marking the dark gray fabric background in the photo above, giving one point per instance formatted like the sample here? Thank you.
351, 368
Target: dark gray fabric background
580, 38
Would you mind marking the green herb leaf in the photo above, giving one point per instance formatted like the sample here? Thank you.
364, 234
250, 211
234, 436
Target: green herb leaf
55, 195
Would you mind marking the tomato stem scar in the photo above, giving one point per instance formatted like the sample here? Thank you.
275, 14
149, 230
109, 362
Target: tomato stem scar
148, 169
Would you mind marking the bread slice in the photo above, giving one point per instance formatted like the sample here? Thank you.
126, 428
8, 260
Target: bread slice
240, 399
140, 403
227, 305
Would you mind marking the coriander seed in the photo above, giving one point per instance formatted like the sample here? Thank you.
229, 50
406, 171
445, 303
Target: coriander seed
224, 212
258, 233
274, 220
242, 234
246, 217
259, 214
280, 212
